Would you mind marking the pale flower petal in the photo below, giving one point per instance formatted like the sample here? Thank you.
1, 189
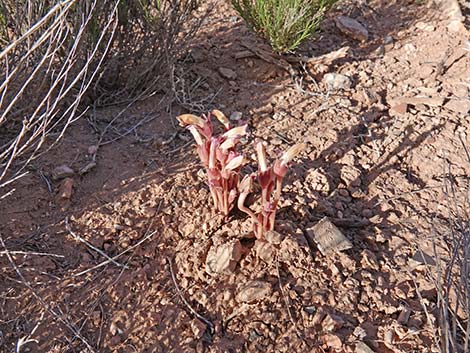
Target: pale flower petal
235, 163
227, 144
291, 153
197, 136
221, 117
263, 164
190, 119
236, 132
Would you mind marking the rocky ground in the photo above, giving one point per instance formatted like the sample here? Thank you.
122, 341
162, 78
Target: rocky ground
116, 248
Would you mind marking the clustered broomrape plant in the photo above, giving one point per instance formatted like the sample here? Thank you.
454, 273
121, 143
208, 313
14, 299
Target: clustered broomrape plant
219, 156
223, 164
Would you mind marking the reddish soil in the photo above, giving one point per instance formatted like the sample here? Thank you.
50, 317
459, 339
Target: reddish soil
374, 165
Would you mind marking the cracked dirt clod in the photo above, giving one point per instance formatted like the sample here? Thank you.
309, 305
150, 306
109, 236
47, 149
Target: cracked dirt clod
223, 258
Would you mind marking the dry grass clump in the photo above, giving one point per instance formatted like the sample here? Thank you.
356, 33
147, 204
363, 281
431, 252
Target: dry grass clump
58, 57
451, 276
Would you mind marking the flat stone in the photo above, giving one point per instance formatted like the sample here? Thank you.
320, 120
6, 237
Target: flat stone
227, 73
400, 108
404, 316
328, 237
223, 258
253, 291
332, 341
423, 26
461, 106
352, 28
336, 81
62, 171
198, 328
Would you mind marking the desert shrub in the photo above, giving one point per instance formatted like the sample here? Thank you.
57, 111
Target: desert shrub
60, 57
283, 23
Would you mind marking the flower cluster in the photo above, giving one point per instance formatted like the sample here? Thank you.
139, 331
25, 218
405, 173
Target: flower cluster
223, 164
219, 156
270, 180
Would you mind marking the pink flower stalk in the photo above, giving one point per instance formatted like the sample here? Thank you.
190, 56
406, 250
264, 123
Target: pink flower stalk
270, 181
219, 156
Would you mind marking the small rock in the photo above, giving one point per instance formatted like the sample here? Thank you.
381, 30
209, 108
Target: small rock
274, 237
328, 237
404, 316
66, 189
425, 27
264, 250
92, 150
388, 40
400, 108
360, 333
223, 258
332, 341
361, 347
332, 323
461, 106
227, 73
235, 116
352, 28
253, 291
409, 48
198, 328
62, 172
336, 81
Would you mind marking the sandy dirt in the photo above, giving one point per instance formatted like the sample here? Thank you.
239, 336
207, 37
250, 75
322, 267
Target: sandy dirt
116, 255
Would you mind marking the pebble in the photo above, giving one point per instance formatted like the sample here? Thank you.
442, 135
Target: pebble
62, 172
235, 116
198, 328
461, 106
253, 291
332, 341
400, 108
352, 28
66, 189
425, 27
227, 73
336, 81
274, 237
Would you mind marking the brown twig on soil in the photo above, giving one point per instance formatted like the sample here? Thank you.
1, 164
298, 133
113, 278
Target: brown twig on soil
59, 316
114, 258
180, 294
28, 253
91, 246
287, 303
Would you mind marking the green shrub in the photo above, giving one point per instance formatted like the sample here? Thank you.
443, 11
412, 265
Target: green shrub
283, 23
